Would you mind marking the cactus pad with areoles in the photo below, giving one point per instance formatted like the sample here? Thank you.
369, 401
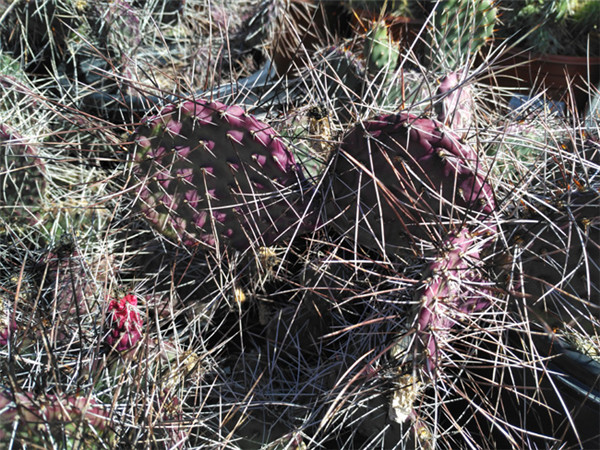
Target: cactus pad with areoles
207, 173
400, 177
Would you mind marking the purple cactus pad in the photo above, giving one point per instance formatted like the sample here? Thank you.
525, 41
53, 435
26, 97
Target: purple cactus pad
400, 177
227, 157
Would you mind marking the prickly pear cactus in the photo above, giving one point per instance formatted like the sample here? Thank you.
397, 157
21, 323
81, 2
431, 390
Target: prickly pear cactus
450, 291
559, 252
460, 29
77, 287
22, 181
8, 324
392, 7
17, 290
380, 52
210, 174
514, 153
310, 139
449, 294
341, 76
122, 24
36, 31
400, 177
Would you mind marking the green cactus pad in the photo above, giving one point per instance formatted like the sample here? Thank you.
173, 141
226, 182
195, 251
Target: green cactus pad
380, 52
460, 29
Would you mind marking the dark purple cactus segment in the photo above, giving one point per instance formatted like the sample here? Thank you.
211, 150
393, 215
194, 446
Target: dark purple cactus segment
560, 254
451, 290
75, 285
211, 174
400, 176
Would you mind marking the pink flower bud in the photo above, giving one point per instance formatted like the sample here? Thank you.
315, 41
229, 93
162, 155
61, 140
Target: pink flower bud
126, 324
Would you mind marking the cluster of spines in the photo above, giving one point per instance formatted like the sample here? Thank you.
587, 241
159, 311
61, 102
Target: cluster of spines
22, 176
25, 415
450, 291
